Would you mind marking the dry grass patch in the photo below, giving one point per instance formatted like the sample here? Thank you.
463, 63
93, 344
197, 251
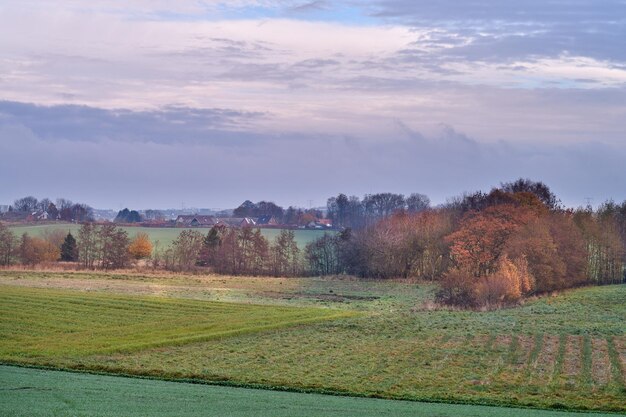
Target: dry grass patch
543, 367
572, 362
600, 363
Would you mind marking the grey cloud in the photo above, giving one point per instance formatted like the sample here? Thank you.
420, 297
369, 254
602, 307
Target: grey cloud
170, 124
221, 48
317, 63
480, 10
308, 7
287, 168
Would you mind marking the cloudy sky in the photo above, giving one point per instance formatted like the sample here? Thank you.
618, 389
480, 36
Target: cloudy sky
207, 103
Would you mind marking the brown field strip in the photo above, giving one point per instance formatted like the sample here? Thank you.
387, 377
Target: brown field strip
544, 366
600, 363
525, 345
620, 346
572, 362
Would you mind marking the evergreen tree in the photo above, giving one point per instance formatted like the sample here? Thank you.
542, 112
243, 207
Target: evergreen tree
69, 250
210, 246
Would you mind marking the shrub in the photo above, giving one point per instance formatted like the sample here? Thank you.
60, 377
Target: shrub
140, 247
508, 284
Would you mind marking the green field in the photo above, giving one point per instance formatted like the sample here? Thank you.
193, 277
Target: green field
566, 351
38, 323
37, 392
164, 235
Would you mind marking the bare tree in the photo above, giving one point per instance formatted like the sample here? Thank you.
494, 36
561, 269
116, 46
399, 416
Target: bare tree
285, 255
88, 249
25, 204
186, 249
417, 202
43, 204
8, 245
322, 255
113, 244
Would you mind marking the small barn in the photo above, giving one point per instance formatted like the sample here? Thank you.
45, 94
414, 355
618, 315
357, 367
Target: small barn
195, 221
236, 221
268, 220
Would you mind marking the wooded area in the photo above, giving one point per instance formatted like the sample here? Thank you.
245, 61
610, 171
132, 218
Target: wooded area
484, 249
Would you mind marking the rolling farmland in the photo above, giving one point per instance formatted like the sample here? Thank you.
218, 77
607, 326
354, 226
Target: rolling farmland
561, 352
41, 323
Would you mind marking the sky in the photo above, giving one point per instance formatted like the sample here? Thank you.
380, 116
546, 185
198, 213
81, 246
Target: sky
159, 104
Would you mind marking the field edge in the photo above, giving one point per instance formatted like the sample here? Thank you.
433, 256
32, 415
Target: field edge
108, 371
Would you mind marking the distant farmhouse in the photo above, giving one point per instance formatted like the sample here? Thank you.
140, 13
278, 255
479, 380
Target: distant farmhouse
25, 216
195, 221
320, 224
236, 221
210, 221
267, 221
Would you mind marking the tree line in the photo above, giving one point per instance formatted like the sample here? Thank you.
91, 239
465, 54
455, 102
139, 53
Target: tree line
95, 247
483, 249
243, 251
61, 209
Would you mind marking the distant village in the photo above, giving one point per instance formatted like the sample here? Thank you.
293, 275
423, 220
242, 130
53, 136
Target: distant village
29, 210
263, 221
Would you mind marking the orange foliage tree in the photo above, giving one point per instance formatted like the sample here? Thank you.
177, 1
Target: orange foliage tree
535, 242
34, 250
481, 238
140, 247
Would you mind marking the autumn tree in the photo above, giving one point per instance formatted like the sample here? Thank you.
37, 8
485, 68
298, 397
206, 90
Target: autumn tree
140, 246
537, 188
34, 250
493, 246
535, 243
481, 238
511, 281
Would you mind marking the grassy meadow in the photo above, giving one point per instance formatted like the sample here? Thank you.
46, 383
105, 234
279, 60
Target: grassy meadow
45, 323
163, 235
562, 352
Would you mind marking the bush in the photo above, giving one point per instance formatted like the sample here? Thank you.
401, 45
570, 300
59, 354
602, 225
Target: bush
458, 287
140, 247
507, 285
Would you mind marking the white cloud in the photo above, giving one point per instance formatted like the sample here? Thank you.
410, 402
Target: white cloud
348, 84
